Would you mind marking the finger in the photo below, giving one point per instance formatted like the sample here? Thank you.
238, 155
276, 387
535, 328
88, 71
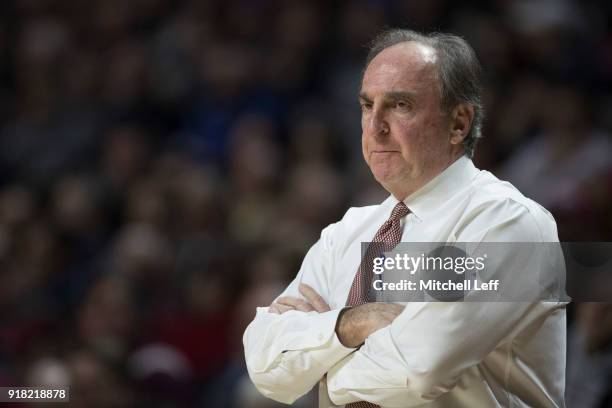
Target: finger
314, 298
273, 309
280, 308
298, 304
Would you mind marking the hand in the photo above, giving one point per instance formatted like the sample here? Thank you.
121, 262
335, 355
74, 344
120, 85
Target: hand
357, 323
312, 302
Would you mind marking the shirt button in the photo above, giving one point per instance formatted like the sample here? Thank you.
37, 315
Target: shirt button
320, 337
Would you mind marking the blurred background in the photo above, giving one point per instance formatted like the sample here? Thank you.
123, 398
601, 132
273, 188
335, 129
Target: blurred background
165, 165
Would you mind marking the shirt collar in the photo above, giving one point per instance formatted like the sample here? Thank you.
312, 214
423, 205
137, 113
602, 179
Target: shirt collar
440, 189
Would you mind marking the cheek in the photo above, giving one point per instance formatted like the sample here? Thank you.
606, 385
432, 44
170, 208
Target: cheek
406, 134
364, 138
414, 140
364, 145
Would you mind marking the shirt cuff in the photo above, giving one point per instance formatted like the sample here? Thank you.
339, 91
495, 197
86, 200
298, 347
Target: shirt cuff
297, 331
321, 333
359, 378
332, 351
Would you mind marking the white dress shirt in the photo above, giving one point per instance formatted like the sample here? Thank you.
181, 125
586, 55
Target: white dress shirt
435, 354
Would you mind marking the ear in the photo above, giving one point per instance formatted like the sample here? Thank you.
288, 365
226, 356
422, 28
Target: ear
461, 122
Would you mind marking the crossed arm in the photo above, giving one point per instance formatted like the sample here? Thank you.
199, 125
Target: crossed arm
292, 344
406, 356
401, 361
354, 324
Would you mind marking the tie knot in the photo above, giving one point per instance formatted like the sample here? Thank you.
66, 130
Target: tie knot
400, 210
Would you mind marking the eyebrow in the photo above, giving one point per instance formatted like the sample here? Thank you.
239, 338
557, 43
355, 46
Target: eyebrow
395, 95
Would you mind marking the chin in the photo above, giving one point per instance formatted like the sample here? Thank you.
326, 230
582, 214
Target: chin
385, 180
386, 174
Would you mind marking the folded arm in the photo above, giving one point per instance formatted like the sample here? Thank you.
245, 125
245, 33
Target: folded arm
424, 352
291, 344
288, 353
421, 355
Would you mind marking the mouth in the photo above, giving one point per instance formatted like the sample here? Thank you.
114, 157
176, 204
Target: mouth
373, 152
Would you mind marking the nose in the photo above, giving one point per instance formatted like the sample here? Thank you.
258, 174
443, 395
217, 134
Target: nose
379, 127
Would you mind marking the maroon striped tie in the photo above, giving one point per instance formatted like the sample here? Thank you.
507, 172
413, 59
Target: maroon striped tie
387, 238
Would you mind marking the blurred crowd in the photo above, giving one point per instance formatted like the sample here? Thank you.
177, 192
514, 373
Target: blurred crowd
165, 165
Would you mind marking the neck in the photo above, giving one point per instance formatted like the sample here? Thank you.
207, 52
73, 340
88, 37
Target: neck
404, 191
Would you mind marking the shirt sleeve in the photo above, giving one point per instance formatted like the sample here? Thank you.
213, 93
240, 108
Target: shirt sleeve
287, 354
423, 353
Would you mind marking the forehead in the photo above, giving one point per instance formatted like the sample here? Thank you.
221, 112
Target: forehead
401, 67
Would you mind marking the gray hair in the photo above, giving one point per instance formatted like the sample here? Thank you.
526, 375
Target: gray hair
459, 73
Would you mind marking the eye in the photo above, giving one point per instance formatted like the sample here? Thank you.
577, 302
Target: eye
402, 105
365, 106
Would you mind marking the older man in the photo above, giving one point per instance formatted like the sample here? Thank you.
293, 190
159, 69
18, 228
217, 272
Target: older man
421, 118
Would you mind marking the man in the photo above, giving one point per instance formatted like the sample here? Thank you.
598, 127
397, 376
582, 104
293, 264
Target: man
421, 118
